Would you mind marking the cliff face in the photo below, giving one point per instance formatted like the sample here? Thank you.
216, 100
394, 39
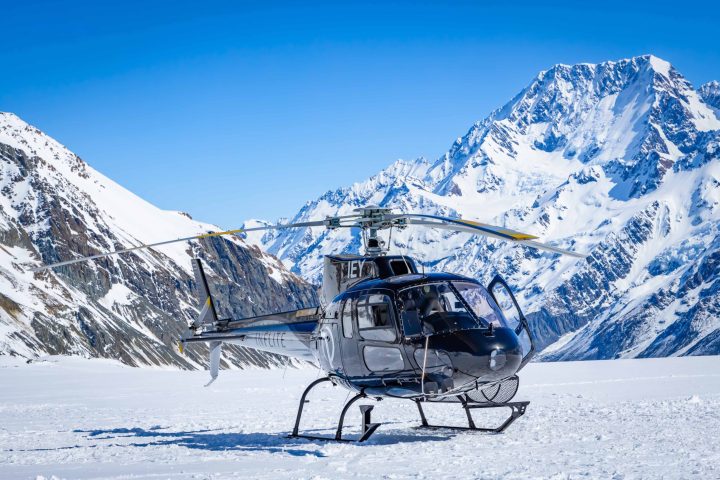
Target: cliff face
55, 207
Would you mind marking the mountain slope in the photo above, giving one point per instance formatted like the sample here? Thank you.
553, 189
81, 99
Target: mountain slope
619, 160
133, 307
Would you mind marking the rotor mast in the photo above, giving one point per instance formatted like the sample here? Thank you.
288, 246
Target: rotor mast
373, 219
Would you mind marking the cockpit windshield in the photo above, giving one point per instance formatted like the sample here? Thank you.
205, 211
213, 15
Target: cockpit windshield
481, 303
440, 307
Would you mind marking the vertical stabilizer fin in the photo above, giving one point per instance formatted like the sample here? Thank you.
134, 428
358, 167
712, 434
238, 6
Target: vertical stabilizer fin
208, 315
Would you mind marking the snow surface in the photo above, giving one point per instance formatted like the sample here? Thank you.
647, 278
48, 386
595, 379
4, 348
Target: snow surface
620, 419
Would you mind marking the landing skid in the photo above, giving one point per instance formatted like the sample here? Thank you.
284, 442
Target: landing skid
368, 427
517, 410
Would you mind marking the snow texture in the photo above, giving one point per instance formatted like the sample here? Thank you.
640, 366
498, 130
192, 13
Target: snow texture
68, 418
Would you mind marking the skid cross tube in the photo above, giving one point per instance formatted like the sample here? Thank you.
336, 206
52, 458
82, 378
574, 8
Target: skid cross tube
517, 410
368, 427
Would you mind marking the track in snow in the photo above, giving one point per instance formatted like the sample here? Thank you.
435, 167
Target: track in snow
74, 418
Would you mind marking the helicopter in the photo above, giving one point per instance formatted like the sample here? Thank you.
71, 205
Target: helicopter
385, 328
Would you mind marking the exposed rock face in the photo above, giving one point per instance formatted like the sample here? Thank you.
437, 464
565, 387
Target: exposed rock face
133, 307
619, 160
710, 93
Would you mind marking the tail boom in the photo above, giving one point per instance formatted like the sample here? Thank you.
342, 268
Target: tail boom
291, 334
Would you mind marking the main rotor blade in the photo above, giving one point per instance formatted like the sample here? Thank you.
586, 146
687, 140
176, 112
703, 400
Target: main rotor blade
477, 228
551, 248
314, 223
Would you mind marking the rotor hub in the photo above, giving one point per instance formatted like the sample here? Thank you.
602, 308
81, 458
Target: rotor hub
373, 219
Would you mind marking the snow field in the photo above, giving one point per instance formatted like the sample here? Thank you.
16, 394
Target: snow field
620, 419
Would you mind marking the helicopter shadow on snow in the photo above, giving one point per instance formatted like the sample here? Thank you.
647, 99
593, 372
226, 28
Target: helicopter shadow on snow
213, 440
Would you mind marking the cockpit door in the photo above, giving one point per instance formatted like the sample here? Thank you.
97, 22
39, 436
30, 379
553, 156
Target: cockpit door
378, 337
516, 320
351, 361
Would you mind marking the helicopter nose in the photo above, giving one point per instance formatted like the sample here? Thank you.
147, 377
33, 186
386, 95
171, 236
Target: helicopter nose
478, 356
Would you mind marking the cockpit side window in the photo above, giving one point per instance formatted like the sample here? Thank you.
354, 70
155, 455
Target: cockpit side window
347, 319
400, 267
374, 317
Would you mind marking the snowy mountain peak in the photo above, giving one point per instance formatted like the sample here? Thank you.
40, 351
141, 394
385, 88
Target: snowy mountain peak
647, 62
615, 114
18, 134
658, 64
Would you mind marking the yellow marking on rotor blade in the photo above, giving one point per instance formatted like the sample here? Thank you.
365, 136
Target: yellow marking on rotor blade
510, 233
207, 302
180, 347
519, 235
217, 234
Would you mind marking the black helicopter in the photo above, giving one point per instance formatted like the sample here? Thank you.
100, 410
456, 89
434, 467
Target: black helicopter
386, 329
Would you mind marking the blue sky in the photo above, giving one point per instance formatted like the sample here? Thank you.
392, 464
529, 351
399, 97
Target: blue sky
231, 110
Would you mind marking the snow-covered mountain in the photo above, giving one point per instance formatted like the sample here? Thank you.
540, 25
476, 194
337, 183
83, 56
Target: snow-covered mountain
54, 207
619, 160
